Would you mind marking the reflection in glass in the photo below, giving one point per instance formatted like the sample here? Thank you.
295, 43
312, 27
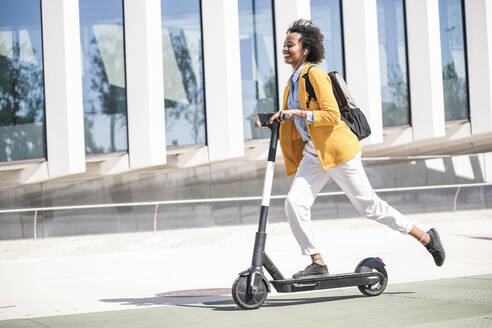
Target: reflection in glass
393, 62
103, 80
453, 60
326, 14
183, 72
21, 81
258, 73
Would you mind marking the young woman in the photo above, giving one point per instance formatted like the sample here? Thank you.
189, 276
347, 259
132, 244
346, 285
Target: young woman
317, 145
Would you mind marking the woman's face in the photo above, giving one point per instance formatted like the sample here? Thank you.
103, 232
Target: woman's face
292, 50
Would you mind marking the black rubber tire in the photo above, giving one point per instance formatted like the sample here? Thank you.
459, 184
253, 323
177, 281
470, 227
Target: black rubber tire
247, 302
376, 289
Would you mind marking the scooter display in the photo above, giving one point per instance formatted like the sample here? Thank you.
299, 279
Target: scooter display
251, 288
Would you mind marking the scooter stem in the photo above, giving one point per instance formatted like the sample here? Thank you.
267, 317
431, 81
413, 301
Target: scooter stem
256, 276
267, 191
267, 182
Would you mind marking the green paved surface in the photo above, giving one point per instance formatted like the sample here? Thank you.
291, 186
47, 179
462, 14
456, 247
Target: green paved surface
459, 302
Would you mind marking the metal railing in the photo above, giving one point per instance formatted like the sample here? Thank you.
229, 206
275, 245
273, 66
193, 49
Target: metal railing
156, 204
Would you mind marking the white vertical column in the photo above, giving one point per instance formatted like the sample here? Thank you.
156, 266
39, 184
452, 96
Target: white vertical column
63, 87
360, 26
221, 55
479, 50
286, 12
425, 68
145, 83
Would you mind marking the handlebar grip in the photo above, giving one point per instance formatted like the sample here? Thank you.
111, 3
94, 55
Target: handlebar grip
262, 120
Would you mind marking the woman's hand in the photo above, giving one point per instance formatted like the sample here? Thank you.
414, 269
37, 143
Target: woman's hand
278, 116
281, 116
284, 114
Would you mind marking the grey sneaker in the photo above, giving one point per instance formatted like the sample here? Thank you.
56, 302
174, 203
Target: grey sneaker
435, 247
312, 270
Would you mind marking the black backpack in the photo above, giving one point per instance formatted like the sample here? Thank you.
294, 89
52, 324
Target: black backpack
350, 112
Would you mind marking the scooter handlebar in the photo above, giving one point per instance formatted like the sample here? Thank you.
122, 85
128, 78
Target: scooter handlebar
262, 120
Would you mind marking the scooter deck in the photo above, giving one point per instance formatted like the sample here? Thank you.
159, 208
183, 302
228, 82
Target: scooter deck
327, 281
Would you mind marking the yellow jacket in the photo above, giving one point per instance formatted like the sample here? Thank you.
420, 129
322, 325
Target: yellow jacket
332, 138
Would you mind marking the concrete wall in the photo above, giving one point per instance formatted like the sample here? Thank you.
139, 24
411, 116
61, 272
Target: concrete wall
236, 178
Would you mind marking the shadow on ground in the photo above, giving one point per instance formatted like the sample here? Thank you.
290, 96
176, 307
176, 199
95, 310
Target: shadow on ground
189, 296
476, 237
229, 305
279, 302
216, 299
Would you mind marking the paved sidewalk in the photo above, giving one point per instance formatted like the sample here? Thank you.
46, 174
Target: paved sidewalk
89, 274
455, 302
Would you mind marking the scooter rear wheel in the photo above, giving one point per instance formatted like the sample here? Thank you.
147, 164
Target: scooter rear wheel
245, 301
378, 288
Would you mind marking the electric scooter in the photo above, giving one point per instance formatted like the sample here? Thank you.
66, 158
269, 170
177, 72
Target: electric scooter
251, 288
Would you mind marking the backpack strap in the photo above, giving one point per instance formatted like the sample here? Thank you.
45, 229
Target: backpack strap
342, 103
337, 90
309, 87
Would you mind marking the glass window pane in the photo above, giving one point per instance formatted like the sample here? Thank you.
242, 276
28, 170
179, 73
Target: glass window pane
258, 67
453, 60
326, 14
103, 79
22, 127
393, 62
183, 72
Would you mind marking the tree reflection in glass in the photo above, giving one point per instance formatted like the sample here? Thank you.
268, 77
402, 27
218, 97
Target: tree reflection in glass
455, 94
21, 81
183, 72
104, 85
393, 62
258, 68
453, 60
326, 14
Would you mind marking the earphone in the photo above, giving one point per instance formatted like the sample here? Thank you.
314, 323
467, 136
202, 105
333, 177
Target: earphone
305, 53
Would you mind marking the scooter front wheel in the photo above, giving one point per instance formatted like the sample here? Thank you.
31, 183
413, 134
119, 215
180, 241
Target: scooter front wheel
243, 299
378, 288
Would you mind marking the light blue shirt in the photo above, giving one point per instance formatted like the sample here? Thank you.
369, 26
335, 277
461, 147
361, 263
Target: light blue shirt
293, 103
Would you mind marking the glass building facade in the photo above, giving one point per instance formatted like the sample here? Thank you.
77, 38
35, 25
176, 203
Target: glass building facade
327, 15
102, 38
103, 79
453, 54
393, 62
184, 92
22, 119
258, 67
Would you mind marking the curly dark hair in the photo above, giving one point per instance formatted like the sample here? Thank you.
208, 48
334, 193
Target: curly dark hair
311, 39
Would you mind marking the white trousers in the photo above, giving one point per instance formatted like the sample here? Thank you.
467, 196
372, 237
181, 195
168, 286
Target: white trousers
351, 177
